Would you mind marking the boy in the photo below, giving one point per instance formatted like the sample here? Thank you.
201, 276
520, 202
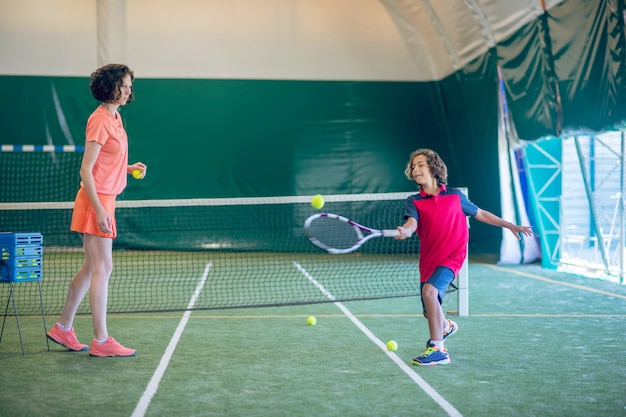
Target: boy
438, 215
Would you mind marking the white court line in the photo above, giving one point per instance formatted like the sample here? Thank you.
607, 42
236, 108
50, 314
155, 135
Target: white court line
153, 385
442, 402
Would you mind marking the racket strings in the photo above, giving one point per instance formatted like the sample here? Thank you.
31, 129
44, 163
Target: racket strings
334, 233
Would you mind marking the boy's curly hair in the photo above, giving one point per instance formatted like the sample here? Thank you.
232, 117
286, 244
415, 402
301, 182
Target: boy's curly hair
106, 80
438, 168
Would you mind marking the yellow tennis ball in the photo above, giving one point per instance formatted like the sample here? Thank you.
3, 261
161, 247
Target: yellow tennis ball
311, 321
317, 201
137, 174
392, 345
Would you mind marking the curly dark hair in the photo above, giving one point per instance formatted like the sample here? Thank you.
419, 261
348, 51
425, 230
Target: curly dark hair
438, 168
106, 80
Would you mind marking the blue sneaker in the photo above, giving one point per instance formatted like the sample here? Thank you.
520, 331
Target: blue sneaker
432, 356
451, 330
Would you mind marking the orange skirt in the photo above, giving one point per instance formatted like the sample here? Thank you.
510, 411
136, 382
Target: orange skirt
84, 219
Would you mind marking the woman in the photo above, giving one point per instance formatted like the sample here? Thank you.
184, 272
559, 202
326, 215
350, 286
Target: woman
103, 172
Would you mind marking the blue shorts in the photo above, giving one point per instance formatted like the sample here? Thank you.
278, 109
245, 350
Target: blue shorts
440, 279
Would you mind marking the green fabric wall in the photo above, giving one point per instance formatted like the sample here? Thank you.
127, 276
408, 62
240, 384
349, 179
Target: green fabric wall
566, 70
245, 138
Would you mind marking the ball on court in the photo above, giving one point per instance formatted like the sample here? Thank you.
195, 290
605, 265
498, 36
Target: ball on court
317, 201
392, 345
136, 174
311, 321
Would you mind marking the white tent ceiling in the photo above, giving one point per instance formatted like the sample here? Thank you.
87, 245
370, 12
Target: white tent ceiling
415, 40
444, 36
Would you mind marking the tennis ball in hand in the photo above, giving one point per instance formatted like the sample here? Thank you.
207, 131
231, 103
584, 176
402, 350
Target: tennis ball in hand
392, 345
136, 174
311, 321
317, 201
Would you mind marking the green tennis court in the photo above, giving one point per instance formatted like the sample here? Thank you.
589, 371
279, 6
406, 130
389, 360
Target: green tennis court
536, 342
241, 112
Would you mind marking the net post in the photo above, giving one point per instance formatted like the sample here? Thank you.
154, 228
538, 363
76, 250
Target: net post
463, 278
462, 291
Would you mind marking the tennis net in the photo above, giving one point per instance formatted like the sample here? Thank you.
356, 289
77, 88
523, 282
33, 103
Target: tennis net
174, 255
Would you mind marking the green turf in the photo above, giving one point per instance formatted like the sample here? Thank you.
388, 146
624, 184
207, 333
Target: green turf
533, 345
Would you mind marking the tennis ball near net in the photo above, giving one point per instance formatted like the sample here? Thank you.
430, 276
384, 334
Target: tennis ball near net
311, 321
317, 201
136, 174
392, 345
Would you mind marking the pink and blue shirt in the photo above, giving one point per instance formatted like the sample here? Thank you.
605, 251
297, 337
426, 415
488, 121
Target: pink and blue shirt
442, 228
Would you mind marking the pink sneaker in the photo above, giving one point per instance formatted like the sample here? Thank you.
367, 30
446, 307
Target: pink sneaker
66, 338
110, 347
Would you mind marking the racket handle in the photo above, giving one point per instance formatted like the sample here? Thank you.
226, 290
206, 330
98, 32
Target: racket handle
390, 233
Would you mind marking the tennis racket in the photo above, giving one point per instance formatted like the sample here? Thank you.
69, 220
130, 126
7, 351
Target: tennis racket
337, 234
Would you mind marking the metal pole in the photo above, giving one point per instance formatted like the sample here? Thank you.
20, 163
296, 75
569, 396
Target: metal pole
622, 245
591, 203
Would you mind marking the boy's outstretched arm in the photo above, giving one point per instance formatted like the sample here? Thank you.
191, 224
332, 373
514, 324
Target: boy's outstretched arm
490, 218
